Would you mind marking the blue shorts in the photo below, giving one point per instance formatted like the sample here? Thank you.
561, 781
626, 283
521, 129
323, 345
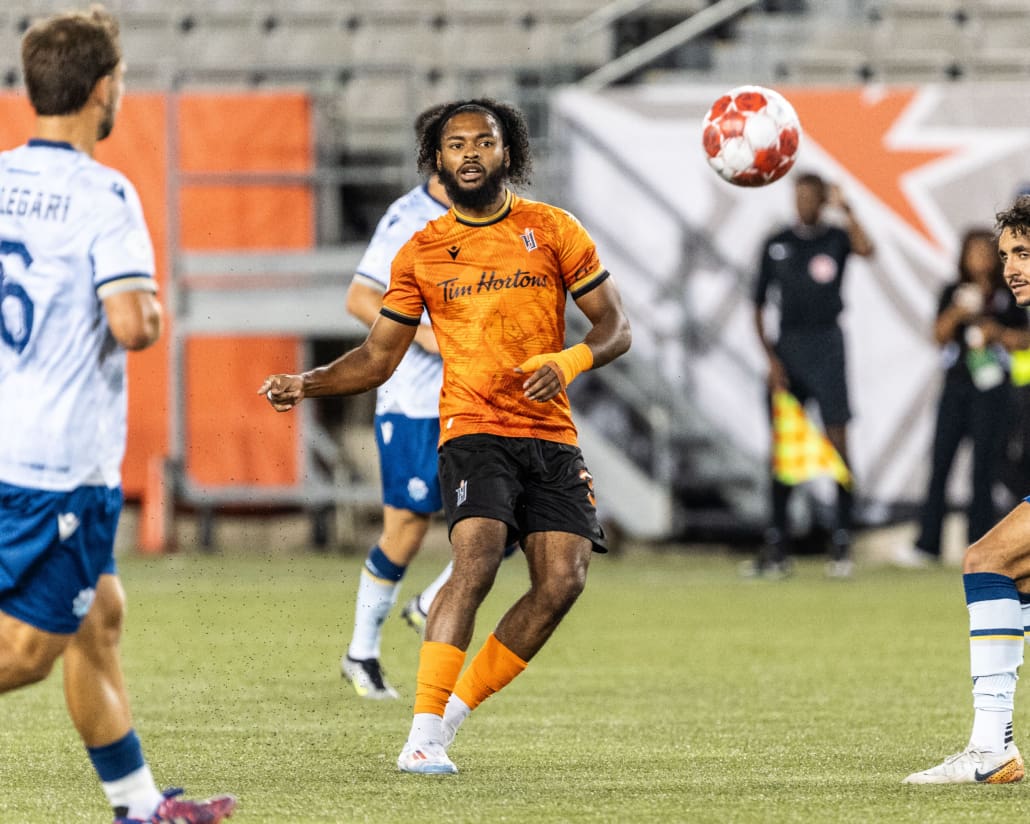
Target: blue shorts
54, 546
407, 462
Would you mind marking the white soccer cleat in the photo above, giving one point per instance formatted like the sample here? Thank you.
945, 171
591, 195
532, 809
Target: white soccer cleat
427, 759
413, 615
974, 767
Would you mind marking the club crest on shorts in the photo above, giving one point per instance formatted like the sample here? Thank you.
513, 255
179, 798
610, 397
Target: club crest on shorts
461, 493
418, 489
83, 601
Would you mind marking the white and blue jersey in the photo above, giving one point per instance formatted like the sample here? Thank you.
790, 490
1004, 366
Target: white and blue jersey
414, 389
71, 234
407, 417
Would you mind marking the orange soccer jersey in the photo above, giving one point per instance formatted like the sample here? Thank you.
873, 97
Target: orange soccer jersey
495, 291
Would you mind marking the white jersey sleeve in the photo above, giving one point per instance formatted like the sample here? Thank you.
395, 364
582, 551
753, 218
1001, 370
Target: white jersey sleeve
123, 256
414, 389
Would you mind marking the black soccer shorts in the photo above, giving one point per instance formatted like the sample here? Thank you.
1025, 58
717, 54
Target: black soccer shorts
529, 484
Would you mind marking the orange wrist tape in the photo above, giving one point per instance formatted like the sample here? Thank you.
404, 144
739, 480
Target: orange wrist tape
569, 362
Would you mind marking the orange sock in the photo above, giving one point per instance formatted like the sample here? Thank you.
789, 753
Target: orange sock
494, 667
438, 668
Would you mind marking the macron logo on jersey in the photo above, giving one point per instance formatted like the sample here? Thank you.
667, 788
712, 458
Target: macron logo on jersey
67, 523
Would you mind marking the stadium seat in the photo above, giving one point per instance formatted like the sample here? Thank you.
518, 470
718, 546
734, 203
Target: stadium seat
395, 33
297, 37
917, 48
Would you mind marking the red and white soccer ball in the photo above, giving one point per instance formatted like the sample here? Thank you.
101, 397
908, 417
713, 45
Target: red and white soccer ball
751, 136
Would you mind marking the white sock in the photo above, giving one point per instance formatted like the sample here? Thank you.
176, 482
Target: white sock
426, 596
135, 791
425, 729
993, 699
1025, 610
996, 639
455, 712
376, 598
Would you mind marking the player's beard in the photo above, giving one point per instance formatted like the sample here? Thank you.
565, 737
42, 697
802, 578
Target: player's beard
481, 197
106, 125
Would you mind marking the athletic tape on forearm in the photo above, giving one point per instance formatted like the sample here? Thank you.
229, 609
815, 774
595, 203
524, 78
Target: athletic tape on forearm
570, 362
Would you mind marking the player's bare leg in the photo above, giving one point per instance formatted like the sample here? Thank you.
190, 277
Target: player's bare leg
27, 654
558, 563
478, 548
94, 685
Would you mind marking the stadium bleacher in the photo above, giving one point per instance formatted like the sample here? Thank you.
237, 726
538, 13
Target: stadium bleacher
369, 65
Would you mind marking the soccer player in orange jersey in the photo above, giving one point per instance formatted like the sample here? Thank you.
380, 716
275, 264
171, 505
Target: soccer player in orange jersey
493, 274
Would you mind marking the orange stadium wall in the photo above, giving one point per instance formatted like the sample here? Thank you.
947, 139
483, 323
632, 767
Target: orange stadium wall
232, 438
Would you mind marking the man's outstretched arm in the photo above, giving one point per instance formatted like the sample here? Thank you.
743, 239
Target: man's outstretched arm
362, 368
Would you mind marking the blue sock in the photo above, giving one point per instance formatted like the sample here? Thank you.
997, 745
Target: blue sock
125, 777
382, 567
117, 760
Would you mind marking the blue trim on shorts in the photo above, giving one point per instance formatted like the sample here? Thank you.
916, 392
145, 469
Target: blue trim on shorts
408, 462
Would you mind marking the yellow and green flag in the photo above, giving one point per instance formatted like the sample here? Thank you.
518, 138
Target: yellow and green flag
801, 451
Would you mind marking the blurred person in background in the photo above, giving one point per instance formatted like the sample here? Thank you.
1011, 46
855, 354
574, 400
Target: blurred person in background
978, 323
996, 580
407, 430
78, 290
493, 274
804, 266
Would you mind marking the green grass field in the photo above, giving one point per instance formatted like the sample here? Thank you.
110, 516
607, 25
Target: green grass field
673, 692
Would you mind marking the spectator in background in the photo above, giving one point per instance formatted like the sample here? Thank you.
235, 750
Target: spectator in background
78, 289
805, 264
978, 324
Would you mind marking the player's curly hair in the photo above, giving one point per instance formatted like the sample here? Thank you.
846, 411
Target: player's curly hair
1016, 218
514, 133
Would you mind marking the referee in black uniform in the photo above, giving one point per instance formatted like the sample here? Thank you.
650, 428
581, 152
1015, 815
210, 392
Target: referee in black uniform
804, 265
